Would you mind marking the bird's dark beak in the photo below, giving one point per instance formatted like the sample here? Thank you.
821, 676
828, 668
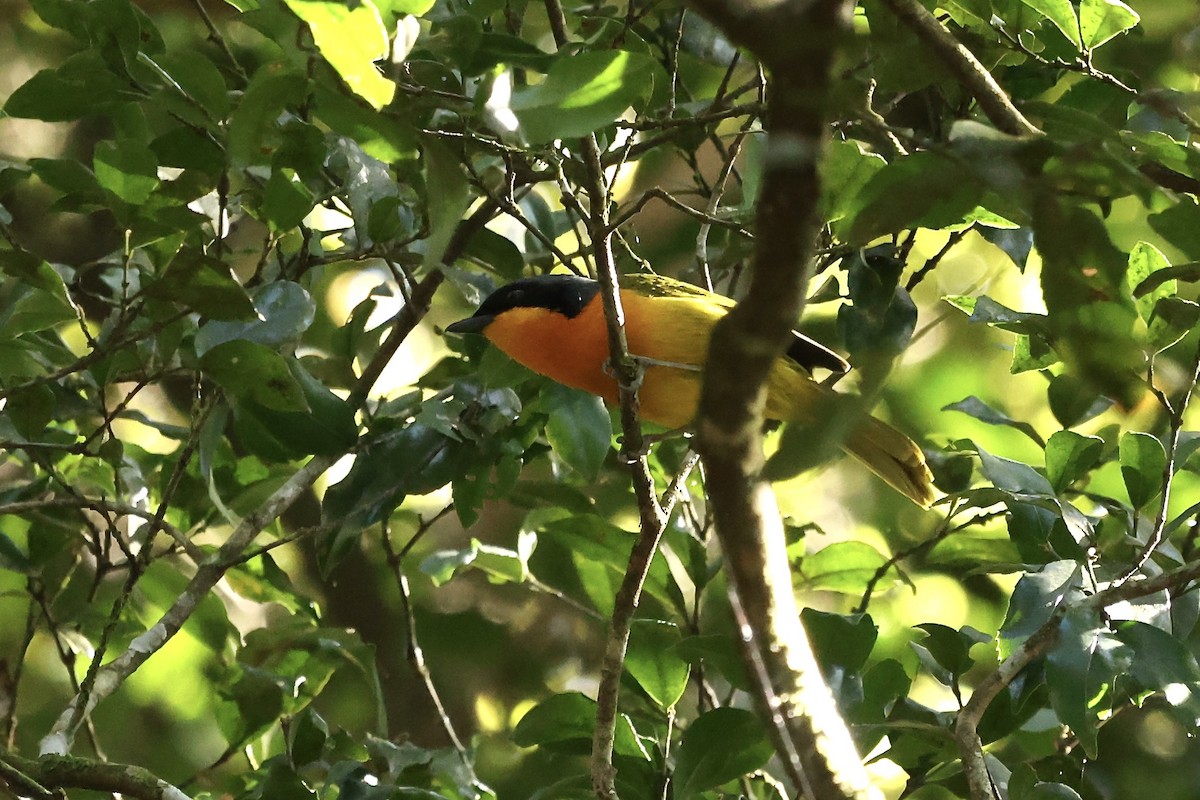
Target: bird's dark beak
474, 324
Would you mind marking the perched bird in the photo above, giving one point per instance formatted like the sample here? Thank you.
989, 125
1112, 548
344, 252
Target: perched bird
554, 324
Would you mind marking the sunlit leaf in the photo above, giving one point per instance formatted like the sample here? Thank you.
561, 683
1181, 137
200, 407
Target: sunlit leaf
582, 93
1101, 20
653, 662
352, 39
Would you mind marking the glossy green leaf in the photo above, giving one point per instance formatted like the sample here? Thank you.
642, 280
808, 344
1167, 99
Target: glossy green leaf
287, 200
974, 407
81, 86
848, 167
1013, 476
1069, 456
448, 198
839, 640
37, 302
1070, 671
416, 459
1143, 463
251, 371
569, 719
1073, 401
719, 746
1037, 595
280, 312
326, 427
1145, 262
126, 168
924, 190
654, 663
719, 652
203, 284
578, 428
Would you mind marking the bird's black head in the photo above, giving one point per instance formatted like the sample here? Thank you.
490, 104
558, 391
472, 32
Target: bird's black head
566, 294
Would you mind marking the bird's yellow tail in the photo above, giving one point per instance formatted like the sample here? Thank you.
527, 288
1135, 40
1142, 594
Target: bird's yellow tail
892, 456
887, 452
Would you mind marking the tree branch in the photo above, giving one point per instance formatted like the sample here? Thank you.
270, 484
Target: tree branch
797, 42
962, 63
1041, 642
48, 776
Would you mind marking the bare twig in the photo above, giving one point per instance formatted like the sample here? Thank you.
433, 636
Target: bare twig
416, 656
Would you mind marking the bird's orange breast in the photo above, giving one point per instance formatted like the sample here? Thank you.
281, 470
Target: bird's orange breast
574, 350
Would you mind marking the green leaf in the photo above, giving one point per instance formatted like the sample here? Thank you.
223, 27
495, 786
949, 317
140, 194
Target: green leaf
840, 640
448, 198
251, 371
351, 38
1179, 224
37, 301
199, 80
1067, 674
1146, 261
844, 567
500, 564
1069, 456
126, 168
281, 311
719, 746
414, 460
847, 169
307, 737
1143, 462
286, 201
1189, 272
418, 8
204, 284
254, 130
972, 406
945, 652
1101, 20
11, 557
653, 661
570, 719
1061, 13
1172, 319
1045, 790
1013, 476
81, 86
1031, 352
923, 190
327, 427
578, 428
582, 93
1037, 595
1073, 401
715, 651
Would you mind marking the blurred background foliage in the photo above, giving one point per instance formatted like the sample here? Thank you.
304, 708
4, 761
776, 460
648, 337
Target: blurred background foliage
215, 216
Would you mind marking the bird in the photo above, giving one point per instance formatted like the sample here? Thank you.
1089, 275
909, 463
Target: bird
554, 324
